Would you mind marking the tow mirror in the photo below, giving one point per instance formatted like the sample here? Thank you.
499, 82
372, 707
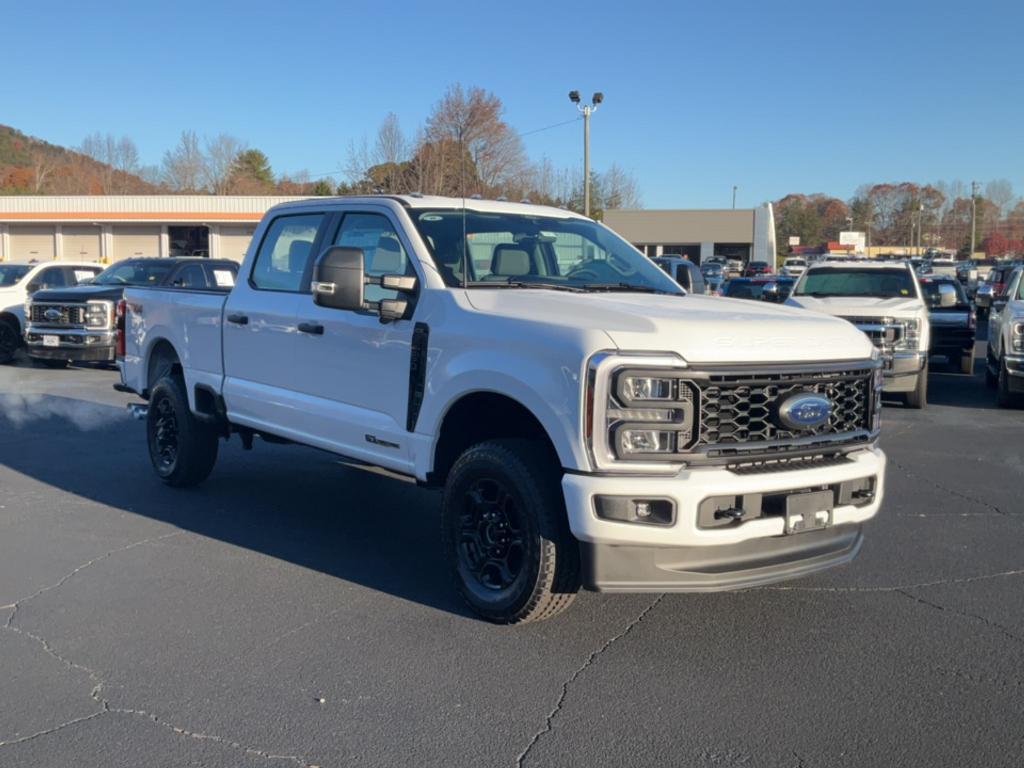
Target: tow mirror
338, 279
32, 287
947, 295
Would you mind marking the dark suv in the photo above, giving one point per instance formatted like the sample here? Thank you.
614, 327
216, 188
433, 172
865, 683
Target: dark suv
80, 323
952, 321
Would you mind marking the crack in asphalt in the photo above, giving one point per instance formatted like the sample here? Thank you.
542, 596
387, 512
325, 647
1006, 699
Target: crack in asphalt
549, 721
104, 704
899, 587
954, 493
946, 609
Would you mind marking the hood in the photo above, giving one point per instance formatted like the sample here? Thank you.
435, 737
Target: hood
80, 293
702, 329
860, 306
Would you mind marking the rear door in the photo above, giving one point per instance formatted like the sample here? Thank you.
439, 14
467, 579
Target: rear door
260, 323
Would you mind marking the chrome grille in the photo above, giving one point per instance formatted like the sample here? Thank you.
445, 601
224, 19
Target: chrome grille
883, 331
740, 409
69, 314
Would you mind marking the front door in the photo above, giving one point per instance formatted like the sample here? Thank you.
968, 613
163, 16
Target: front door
355, 368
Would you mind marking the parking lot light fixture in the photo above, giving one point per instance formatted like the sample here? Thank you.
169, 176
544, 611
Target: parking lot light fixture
586, 110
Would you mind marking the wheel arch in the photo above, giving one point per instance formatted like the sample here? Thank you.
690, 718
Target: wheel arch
161, 359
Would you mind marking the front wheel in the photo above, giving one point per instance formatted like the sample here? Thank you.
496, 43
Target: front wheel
506, 534
967, 362
1004, 397
919, 397
9, 341
182, 449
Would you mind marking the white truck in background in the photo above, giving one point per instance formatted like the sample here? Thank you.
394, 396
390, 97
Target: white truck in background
884, 300
591, 424
1004, 361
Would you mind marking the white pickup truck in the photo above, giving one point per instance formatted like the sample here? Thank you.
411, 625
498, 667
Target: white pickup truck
590, 422
884, 300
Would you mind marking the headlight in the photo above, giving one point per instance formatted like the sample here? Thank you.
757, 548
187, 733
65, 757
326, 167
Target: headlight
1018, 337
638, 413
98, 314
911, 334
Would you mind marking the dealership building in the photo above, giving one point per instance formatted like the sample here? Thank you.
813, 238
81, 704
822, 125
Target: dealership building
747, 234
109, 228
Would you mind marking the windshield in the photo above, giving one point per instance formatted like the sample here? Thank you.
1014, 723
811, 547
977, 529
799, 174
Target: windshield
526, 251
930, 290
796, 263
149, 272
739, 290
712, 269
10, 274
876, 283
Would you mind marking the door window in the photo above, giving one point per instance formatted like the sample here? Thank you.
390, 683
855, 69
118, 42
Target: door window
76, 275
383, 253
190, 276
285, 253
52, 277
683, 277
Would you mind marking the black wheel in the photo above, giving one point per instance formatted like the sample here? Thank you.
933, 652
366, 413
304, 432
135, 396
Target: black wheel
991, 378
919, 397
9, 341
182, 448
506, 534
1004, 397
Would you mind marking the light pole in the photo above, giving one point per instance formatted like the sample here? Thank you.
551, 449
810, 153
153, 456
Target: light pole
586, 110
920, 226
974, 201
734, 197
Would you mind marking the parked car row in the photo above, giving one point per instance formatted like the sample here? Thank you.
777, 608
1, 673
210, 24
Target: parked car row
66, 312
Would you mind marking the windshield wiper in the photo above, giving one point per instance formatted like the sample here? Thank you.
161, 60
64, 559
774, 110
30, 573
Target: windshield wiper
625, 288
524, 284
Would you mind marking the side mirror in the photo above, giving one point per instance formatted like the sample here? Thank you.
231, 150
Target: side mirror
338, 279
32, 287
947, 296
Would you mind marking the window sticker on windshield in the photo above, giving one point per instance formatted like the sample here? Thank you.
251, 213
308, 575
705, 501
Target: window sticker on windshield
904, 292
224, 278
84, 274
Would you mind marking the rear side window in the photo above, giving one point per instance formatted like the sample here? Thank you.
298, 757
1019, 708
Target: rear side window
76, 275
52, 277
221, 276
683, 277
285, 252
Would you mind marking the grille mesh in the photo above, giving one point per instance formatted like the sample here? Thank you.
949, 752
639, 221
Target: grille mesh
742, 409
70, 314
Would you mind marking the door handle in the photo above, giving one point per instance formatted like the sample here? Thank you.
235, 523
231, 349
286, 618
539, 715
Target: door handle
238, 319
313, 328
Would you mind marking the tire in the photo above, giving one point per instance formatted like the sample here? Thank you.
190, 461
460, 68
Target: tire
991, 379
10, 340
919, 397
967, 363
182, 449
506, 534
1004, 397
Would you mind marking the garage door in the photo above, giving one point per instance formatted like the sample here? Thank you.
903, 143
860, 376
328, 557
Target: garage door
130, 242
30, 243
234, 241
81, 243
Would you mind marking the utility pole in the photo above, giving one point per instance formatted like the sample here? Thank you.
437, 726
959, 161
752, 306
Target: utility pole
734, 197
974, 210
920, 226
587, 110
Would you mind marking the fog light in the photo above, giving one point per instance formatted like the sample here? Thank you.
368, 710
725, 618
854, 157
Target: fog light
624, 509
643, 509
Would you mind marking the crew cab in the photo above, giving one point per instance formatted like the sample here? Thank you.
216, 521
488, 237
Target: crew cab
953, 322
79, 323
590, 422
885, 301
1004, 371
19, 281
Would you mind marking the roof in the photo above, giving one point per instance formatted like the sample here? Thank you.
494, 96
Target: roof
421, 202
856, 264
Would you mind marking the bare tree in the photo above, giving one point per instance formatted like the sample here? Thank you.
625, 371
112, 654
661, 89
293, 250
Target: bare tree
620, 188
221, 153
1000, 192
43, 165
184, 167
391, 145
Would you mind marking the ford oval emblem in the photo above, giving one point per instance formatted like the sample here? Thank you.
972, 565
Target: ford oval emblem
805, 410
53, 315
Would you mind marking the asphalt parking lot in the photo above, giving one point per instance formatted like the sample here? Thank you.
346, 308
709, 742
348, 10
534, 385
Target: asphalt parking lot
295, 611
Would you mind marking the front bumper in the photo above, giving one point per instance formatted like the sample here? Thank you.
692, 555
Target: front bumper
79, 344
902, 369
685, 556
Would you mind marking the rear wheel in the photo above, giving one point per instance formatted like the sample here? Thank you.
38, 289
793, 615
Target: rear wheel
9, 341
182, 449
919, 397
506, 534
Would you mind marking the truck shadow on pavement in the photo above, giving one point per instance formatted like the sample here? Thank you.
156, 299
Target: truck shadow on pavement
292, 503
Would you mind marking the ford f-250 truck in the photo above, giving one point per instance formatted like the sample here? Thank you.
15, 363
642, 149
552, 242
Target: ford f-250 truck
1004, 361
590, 422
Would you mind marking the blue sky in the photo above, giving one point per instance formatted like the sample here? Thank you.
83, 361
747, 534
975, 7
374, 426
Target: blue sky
773, 97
